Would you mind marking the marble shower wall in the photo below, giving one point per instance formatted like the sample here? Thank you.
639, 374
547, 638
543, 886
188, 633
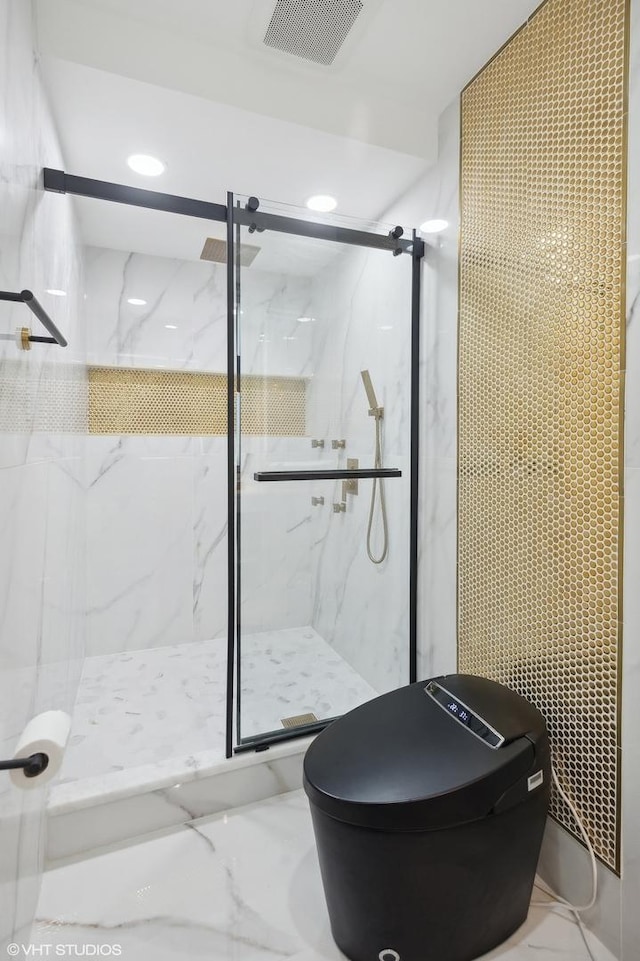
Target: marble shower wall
631, 597
43, 422
157, 505
436, 197
361, 306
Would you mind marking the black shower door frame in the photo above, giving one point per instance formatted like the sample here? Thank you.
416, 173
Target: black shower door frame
235, 216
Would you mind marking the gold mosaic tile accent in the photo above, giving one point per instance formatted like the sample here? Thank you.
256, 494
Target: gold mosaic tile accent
540, 387
125, 400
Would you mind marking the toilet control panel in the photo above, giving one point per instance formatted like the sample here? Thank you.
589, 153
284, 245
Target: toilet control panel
464, 715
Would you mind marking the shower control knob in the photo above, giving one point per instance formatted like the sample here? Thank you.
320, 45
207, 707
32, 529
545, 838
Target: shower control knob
339, 508
317, 501
317, 443
338, 444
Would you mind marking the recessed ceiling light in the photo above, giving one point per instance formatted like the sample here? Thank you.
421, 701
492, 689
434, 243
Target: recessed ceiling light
434, 226
289, 338
306, 320
136, 301
323, 203
170, 326
387, 327
56, 292
142, 163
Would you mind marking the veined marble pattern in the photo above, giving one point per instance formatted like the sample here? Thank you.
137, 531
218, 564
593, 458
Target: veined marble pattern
140, 542
437, 551
276, 535
157, 541
241, 885
182, 325
157, 506
362, 309
143, 718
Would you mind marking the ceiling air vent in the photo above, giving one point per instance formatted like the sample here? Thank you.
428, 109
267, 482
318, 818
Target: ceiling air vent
216, 251
312, 29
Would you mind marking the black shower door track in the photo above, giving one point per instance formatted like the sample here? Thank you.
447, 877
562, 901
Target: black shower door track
57, 181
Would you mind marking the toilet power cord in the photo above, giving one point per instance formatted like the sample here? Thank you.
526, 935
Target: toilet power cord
575, 909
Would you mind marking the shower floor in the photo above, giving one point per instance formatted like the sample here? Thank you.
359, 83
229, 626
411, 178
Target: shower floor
145, 716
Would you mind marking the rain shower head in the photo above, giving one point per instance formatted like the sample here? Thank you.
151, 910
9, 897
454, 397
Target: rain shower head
374, 409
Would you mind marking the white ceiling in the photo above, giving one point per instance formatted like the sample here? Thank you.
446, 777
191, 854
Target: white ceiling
210, 147
190, 81
403, 63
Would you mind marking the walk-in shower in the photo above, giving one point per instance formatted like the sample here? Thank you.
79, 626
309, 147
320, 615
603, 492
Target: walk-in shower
226, 344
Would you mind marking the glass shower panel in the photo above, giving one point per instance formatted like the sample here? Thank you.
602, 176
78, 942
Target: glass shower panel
152, 692
324, 344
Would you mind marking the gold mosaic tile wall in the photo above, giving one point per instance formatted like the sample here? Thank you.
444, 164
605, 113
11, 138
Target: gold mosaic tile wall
540, 358
134, 401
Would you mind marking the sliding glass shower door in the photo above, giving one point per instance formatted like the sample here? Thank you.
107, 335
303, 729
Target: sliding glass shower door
323, 317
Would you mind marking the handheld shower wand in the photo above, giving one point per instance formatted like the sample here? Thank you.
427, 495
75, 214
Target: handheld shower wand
378, 413
374, 409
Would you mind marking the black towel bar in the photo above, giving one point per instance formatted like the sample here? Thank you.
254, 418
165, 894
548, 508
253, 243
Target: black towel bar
36, 308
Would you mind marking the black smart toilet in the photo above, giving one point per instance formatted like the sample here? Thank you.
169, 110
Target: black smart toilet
429, 806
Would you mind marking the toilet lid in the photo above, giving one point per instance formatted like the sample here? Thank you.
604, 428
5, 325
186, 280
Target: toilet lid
405, 762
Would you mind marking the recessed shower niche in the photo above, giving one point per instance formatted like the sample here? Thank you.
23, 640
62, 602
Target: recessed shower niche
232, 601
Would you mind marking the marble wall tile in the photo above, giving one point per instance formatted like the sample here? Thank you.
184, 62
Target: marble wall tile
437, 197
362, 309
190, 297
140, 540
210, 580
437, 555
275, 569
183, 324
41, 472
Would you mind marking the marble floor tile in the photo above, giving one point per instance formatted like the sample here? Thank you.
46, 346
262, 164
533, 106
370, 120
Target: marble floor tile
144, 717
240, 886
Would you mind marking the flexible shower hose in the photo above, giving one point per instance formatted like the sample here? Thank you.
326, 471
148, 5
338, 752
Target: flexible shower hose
383, 506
